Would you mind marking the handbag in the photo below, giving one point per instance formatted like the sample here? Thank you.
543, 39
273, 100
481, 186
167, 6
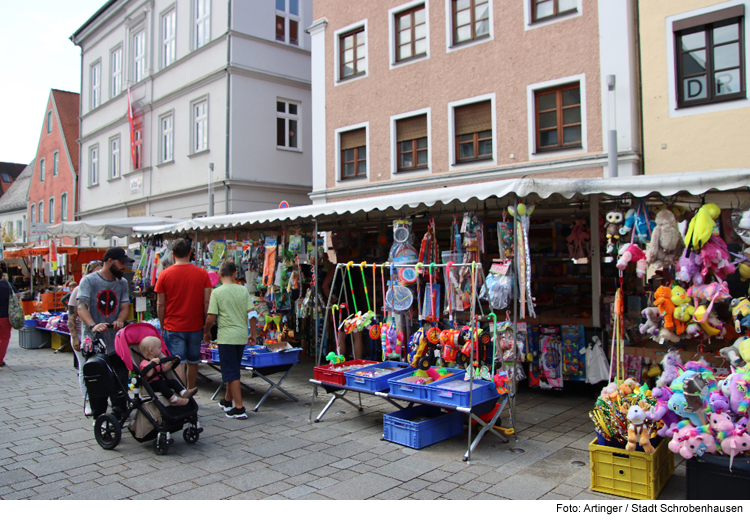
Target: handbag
15, 312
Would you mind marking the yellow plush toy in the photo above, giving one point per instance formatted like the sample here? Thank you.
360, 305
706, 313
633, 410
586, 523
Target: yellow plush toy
681, 313
702, 226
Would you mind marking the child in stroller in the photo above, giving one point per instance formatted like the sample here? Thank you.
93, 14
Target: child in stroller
153, 368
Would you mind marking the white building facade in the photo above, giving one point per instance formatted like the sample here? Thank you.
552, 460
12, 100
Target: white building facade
220, 91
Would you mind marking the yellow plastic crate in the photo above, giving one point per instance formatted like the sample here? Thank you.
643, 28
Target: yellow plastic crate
60, 342
631, 474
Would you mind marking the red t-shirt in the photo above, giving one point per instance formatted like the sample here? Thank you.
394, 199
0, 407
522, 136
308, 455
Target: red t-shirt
183, 285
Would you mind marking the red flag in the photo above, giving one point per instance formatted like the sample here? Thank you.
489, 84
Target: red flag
132, 129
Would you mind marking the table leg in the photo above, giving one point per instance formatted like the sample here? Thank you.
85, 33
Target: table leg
486, 426
273, 385
336, 396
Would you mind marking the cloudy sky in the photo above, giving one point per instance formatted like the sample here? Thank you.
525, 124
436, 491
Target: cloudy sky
36, 56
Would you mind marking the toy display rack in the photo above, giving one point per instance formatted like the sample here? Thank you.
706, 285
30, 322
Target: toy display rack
339, 392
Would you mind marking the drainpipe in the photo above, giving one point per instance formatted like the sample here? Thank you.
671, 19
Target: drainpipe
227, 172
612, 102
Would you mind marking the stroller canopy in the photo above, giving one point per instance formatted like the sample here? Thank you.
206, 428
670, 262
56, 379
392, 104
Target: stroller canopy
132, 335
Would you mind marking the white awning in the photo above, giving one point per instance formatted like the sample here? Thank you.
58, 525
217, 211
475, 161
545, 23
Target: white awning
113, 227
694, 183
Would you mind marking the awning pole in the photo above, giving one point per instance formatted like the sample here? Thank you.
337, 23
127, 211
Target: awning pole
596, 262
516, 291
317, 287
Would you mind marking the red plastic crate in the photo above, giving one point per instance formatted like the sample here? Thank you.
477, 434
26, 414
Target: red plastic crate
326, 375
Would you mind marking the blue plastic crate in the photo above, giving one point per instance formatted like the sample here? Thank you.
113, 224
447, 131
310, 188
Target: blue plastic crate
380, 383
257, 356
451, 394
399, 387
421, 426
215, 355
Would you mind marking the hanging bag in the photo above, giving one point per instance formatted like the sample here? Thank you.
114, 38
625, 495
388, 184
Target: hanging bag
15, 312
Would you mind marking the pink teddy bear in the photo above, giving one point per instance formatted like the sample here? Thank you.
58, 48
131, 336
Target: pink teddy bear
633, 253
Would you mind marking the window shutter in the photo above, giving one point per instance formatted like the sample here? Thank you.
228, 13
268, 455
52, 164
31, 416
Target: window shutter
353, 138
472, 118
411, 128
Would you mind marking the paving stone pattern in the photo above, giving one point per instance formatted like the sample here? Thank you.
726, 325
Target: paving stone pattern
48, 450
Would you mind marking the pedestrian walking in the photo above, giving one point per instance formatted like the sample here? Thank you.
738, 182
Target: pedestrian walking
6, 290
182, 294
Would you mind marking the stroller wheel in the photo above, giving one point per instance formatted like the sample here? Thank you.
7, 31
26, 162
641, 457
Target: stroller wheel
161, 444
190, 434
107, 431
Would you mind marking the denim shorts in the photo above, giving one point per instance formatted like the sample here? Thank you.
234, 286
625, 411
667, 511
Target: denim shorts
187, 345
230, 357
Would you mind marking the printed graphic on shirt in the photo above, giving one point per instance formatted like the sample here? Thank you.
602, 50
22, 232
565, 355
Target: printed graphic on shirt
106, 302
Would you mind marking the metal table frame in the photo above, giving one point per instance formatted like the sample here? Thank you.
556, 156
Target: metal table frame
50, 330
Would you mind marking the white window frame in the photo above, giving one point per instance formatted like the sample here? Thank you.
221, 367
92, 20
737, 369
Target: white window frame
40, 211
394, 144
32, 215
337, 53
166, 138
19, 229
139, 59
392, 32
95, 84
55, 163
286, 116
64, 207
169, 40
94, 165
528, 24
287, 17
718, 106
453, 165
115, 155
199, 19
450, 47
115, 67
531, 118
42, 169
194, 122
337, 134
49, 121
51, 210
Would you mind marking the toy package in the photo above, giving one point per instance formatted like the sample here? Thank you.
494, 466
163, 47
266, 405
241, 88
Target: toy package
573, 341
505, 239
545, 369
402, 252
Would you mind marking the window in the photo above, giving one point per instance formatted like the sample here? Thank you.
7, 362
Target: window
167, 138
353, 154
558, 117
32, 213
549, 8
55, 162
287, 117
64, 207
709, 56
41, 170
6, 177
168, 49
114, 158
93, 166
49, 122
52, 210
200, 126
411, 143
139, 55
473, 130
41, 212
287, 21
116, 66
202, 18
411, 33
352, 48
137, 157
96, 84
19, 228
471, 19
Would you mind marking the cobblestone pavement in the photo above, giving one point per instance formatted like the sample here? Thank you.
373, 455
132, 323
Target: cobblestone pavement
48, 451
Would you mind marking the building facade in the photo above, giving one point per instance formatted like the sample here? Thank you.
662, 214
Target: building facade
425, 93
14, 207
695, 78
219, 91
52, 194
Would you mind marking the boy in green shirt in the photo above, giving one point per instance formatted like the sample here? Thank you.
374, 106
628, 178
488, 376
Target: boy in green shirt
229, 306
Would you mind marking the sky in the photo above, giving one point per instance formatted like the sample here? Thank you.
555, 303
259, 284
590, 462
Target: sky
36, 55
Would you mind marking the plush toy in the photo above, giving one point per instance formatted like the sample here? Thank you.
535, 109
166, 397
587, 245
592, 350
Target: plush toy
661, 412
578, 240
689, 269
653, 322
666, 242
677, 404
720, 422
638, 431
718, 402
708, 322
689, 441
714, 292
671, 368
663, 301
632, 253
609, 392
693, 331
683, 310
702, 226
665, 334
638, 221
734, 443
741, 314
715, 258
732, 353
738, 390
627, 387
612, 228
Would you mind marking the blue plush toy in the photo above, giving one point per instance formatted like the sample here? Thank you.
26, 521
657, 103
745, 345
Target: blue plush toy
677, 404
642, 232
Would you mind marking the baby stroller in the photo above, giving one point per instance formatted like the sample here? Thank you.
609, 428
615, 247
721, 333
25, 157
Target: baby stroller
106, 377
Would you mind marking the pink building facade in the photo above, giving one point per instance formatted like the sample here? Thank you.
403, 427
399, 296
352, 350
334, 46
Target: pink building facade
433, 93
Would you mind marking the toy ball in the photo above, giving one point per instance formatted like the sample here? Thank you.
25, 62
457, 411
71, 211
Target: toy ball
213, 277
521, 209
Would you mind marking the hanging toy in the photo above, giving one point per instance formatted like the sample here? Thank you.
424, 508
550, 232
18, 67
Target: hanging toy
702, 226
521, 228
612, 229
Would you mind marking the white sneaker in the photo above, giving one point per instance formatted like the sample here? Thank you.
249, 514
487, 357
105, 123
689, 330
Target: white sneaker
87, 409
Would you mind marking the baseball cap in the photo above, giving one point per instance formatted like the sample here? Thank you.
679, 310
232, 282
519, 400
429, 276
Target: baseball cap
117, 253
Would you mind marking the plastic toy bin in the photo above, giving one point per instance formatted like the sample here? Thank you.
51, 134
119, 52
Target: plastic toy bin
32, 338
257, 357
401, 386
630, 473
421, 426
332, 373
455, 391
709, 478
358, 378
